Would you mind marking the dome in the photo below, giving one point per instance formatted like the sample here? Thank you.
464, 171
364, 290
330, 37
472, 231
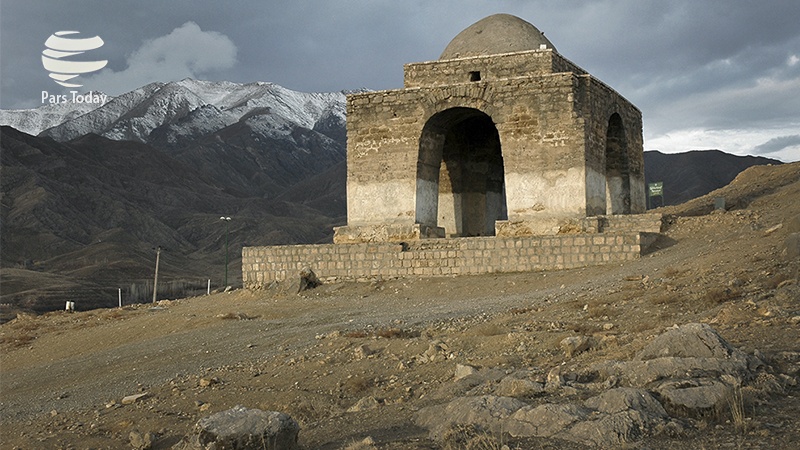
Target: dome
499, 33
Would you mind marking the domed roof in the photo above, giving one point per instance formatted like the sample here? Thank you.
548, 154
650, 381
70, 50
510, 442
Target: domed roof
499, 33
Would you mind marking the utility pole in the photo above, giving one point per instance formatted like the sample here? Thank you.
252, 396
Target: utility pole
227, 221
155, 279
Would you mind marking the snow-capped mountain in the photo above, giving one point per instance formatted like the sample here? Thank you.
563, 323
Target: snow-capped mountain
256, 138
34, 121
185, 107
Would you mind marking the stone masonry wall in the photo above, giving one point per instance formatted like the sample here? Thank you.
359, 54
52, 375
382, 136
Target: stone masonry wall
436, 257
491, 68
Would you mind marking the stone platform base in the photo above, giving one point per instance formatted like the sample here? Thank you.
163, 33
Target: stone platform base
354, 234
438, 257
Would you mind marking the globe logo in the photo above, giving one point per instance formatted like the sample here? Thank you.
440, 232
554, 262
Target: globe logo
61, 46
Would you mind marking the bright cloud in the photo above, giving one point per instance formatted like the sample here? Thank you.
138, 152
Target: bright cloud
186, 52
741, 142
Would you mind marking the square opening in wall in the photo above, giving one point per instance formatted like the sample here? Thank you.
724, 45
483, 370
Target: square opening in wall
475, 76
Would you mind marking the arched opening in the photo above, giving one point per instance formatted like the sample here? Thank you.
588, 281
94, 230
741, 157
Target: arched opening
618, 186
460, 178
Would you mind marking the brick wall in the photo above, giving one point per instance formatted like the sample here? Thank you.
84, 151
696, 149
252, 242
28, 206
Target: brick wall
437, 257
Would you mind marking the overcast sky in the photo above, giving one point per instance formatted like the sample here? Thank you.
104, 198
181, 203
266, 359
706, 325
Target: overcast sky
706, 74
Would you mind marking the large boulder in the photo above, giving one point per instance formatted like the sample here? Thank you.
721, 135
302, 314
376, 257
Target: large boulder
609, 420
696, 398
623, 415
792, 246
545, 420
240, 428
643, 373
693, 340
486, 412
690, 350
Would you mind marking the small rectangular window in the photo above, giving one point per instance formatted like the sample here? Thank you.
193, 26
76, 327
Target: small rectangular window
475, 76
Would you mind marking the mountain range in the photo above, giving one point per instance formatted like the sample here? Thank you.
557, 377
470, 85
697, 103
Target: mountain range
89, 191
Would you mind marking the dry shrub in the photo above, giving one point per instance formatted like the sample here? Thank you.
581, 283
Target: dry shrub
306, 410
115, 314
18, 341
666, 299
355, 334
488, 329
671, 272
733, 409
470, 437
774, 281
236, 316
645, 323
585, 328
396, 333
602, 311
357, 385
718, 295
365, 444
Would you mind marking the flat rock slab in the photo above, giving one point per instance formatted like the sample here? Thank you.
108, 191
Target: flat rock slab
486, 412
240, 428
693, 340
695, 398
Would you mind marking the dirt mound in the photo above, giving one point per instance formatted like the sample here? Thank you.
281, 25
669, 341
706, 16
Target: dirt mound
752, 183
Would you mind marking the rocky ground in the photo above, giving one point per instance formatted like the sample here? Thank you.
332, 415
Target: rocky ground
563, 359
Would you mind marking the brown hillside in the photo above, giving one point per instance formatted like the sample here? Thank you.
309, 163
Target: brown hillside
353, 360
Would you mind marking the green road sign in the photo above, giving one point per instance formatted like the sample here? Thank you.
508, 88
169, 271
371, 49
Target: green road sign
655, 189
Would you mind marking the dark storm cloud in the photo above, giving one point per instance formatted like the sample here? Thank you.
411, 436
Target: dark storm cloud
687, 65
777, 144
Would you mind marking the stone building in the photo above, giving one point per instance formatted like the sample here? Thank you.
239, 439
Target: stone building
511, 156
502, 136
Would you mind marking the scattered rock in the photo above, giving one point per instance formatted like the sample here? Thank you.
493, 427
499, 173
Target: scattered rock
362, 351
141, 441
365, 404
308, 280
574, 345
240, 428
554, 380
436, 350
773, 229
130, 399
463, 371
206, 382
517, 387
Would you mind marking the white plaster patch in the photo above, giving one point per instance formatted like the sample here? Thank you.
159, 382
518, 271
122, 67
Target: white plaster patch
560, 192
380, 202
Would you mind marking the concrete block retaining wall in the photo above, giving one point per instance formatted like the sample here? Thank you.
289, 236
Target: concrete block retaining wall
437, 257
